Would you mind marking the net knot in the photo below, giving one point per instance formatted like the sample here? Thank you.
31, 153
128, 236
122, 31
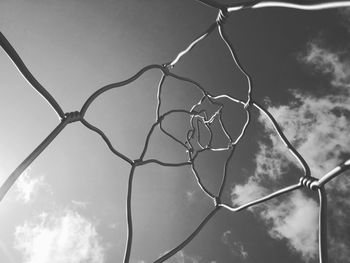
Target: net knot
167, 67
137, 162
190, 134
190, 150
308, 182
222, 17
193, 112
231, 145
247, 105
72, 116
160, 118
217, 201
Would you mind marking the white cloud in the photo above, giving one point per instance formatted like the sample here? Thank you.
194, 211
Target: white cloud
242, 194
271, 160
296, 220
329, 62
27, 186
319, 127
68, 238
236, 248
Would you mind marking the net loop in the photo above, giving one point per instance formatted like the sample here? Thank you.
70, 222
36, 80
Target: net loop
72, 116
308, 182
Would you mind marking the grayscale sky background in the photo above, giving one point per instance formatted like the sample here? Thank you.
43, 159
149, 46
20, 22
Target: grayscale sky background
69, 206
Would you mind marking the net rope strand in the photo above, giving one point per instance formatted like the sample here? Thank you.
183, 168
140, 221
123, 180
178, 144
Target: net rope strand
193, 138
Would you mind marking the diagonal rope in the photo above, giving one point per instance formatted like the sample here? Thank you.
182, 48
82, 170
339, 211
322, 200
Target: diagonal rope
28, 76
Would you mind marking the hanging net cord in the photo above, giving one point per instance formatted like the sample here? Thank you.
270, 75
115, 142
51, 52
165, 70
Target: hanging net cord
193, 145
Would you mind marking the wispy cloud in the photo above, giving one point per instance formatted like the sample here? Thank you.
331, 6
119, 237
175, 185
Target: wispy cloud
327, 61
68, 237
28, 186
236, 248
319, 127
294, 219
242, 194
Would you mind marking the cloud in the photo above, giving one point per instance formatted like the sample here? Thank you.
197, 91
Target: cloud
68, 237
242, 194
236, 248
329, 62
319, 127
27, 186
295, 220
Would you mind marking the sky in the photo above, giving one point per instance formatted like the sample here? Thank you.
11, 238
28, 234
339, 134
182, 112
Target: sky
70, 204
